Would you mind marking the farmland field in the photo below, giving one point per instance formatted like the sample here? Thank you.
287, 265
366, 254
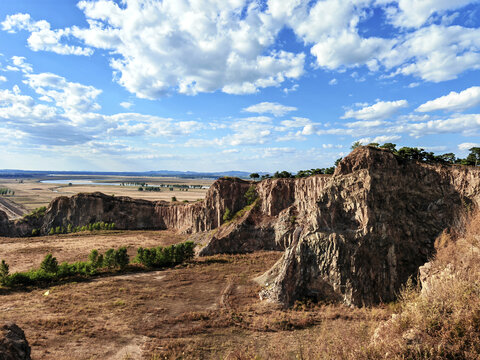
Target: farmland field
33, 193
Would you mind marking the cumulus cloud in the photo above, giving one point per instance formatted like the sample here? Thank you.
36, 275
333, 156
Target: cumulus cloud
454, 101
380, 110
67, 95
158, 47
275, 109
201, 46
380, 139
126, 104
41, 36
3, 79
414, 13
467, 146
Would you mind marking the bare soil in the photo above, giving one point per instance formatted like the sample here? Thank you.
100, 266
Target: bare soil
207, 309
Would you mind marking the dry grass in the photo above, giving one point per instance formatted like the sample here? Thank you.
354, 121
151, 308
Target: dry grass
207, 309
442, 320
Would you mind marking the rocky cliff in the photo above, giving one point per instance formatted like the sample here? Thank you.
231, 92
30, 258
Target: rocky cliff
355, 236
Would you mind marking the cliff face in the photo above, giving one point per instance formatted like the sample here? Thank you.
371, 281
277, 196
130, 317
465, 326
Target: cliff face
373, 225
355, 236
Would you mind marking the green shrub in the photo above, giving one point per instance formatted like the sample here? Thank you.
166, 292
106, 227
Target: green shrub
52, 231
121, 258
49, 264
95, 259
165, 256
227, 216
109, 259
35, 232
251, 194
4, 269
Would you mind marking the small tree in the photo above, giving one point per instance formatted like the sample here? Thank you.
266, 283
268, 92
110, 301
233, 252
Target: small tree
355, 145
109, 259
254, 176
389, 146
49, 264
121, 258
4, 270
174, 199
338, 161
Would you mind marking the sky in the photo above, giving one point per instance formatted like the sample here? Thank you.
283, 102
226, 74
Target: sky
217, 85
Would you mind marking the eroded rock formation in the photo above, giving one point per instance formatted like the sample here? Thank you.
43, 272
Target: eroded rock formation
13, 344
355, 236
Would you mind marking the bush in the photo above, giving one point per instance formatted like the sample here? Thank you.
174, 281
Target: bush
95, 259
35, 232
165, 256
227, 216
251, 195
4, 269
109, 259
121, 258
49, 264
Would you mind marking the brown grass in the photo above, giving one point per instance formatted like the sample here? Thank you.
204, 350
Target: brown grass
442, 320
207, 309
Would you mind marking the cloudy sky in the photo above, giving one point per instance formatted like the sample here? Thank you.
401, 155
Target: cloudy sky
253, 85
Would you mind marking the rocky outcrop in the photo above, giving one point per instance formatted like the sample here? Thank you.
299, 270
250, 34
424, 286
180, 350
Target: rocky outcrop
13, 344
374, 223
355, 236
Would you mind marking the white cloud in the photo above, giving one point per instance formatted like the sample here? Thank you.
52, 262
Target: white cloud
275, 109
333, 82
67, 95
41, 36
295, 122
414, 13
194, 47
292, 89
378, 111
3, 79
435, 53
454, 101
291, 136
380, 139
467, 146
126, 104
20, 63
465, 124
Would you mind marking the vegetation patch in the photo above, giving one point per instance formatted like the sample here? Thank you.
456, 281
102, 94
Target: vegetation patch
113, 260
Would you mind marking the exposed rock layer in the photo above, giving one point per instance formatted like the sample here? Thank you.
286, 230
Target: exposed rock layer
13, 344
355, 236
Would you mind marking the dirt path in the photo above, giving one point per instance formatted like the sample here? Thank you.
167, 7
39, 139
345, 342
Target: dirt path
13, 210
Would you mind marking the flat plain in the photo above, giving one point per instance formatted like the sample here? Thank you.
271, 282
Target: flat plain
31, 193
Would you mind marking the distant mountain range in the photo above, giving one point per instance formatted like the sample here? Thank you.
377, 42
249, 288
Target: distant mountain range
8, 173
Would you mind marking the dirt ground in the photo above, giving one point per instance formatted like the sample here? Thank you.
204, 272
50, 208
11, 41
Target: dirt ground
207, 309
31, 193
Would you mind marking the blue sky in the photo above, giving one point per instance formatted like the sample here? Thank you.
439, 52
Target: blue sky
212, 85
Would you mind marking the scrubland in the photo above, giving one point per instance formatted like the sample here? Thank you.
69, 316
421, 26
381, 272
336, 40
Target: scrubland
209, 308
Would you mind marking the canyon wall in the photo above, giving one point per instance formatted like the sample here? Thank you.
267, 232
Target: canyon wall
355, 236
